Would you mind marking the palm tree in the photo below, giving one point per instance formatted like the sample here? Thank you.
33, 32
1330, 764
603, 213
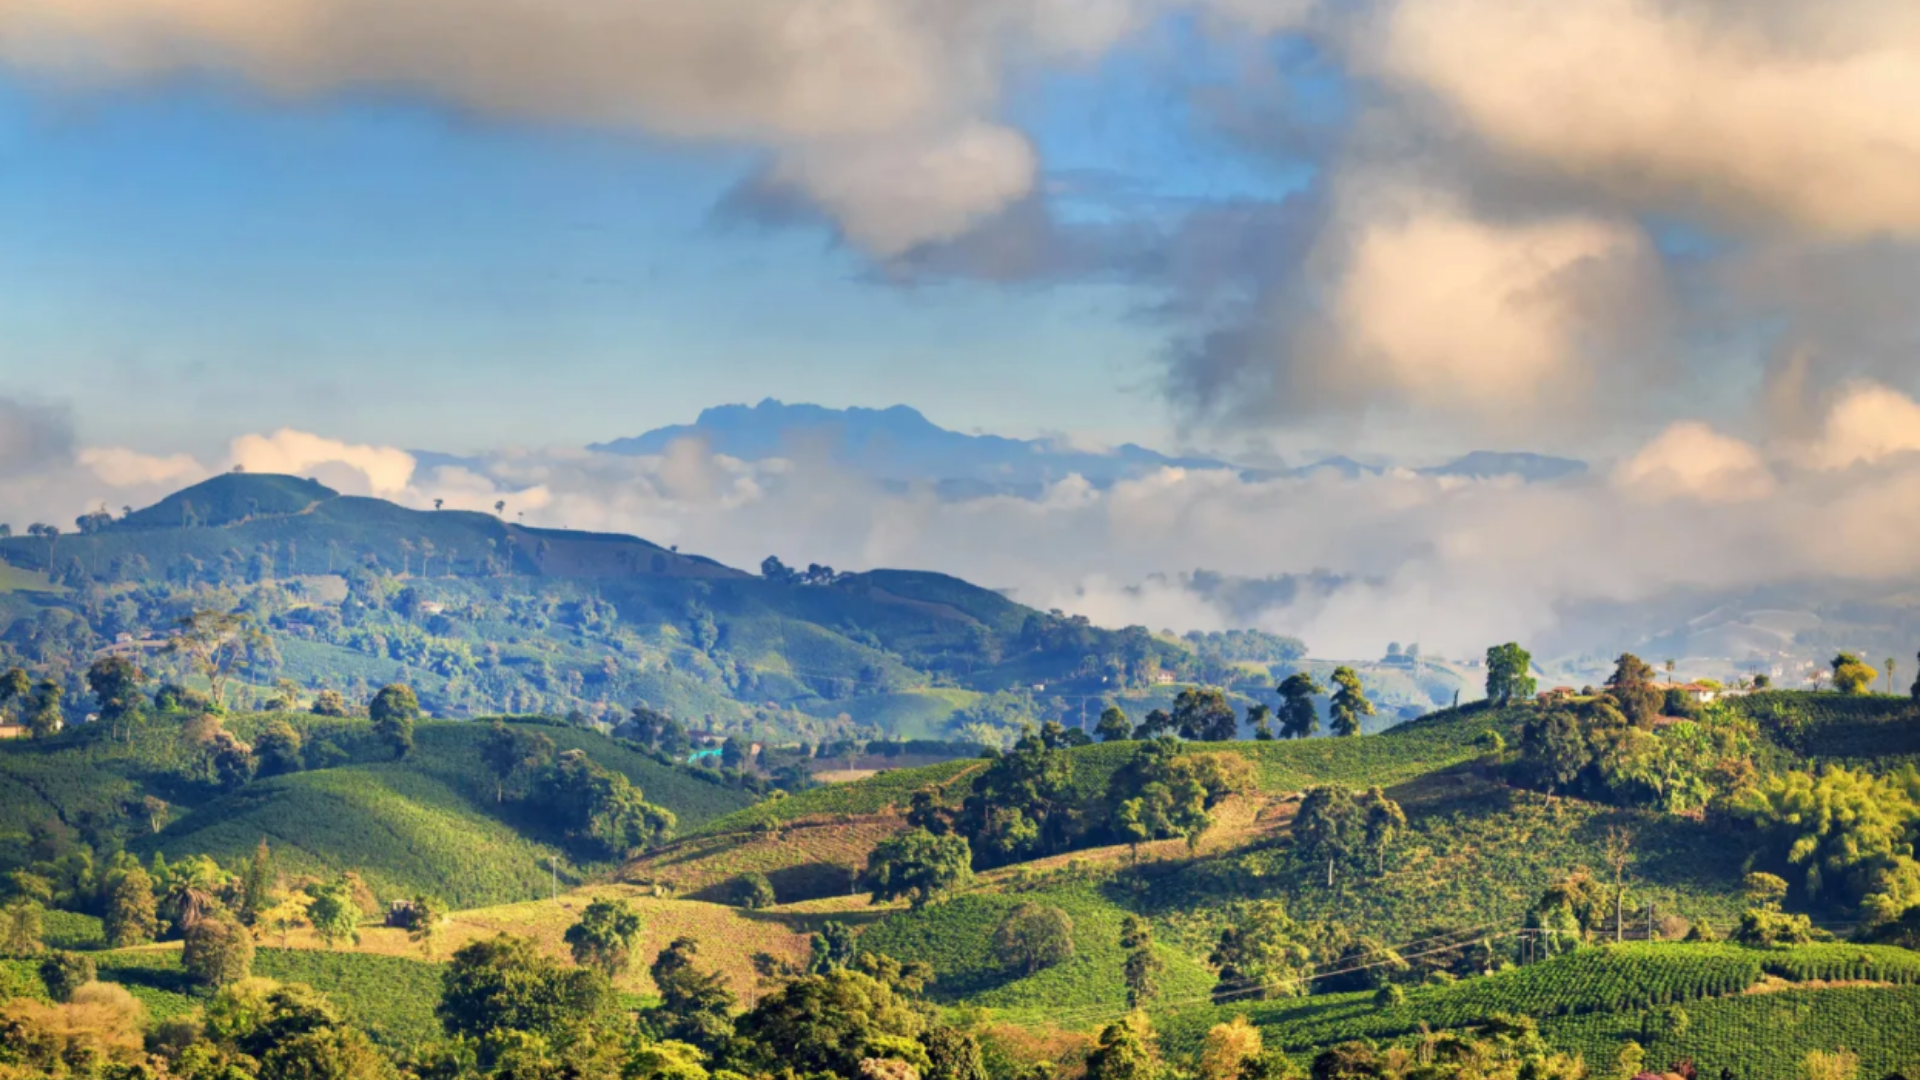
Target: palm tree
1889, 674
426, 556
1669, 673
500, 507
406, 556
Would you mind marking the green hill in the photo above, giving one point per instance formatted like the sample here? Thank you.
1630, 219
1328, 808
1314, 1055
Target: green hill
429, 823
482, 615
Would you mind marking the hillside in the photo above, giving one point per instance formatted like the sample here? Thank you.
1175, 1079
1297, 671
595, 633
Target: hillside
429, 823
482, 615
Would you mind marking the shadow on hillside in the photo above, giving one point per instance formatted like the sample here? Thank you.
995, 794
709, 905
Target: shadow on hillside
810, 922
791, 884
168, 980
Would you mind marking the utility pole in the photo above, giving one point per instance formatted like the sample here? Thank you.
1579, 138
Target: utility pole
553, 864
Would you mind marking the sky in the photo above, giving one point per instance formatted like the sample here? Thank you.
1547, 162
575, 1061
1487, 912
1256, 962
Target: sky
1677, 238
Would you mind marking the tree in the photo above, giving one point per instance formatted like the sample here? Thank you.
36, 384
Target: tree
20, 928
1204, 715
215, 644
1156, 723
833, 1023
278, 749
1618, 853
330, 703
509, 753
1298, 718
1260, 719
1329, 827
1228, 1048
1851, 675
752, 891
426, 924
603, 938
1632, 685
218, 951
695, 1006
505, 983
1113, 725
1509, 669
44, 715
16, 685
952, 1054
115, 683
832, 946
1349, 702
1125, 1051
1143, 966
64, 972
132, 917
1261, 955
919, 866
332, 912
1554, 749
1034, 937
1383, 822
393, 711
256, 894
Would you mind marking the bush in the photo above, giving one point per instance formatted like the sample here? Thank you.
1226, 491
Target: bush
65, 972
752, 891
1034, 937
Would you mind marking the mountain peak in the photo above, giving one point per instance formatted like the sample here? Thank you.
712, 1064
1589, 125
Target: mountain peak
231, 497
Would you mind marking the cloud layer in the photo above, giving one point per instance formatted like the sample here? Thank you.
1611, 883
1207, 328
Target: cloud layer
1452, 563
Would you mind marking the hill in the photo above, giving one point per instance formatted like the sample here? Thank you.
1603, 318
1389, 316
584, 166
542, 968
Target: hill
482, 615
430, 823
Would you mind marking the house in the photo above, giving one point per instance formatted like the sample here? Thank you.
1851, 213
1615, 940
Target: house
1700, 694
13, 731
1559, 695
1163, 678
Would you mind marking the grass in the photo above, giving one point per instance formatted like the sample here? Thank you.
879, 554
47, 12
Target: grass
1593, 1000
804, 860
955, 937
390, 998
1764, 1036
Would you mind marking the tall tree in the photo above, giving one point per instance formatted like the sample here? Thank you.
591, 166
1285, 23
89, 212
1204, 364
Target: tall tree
44, 716
1632, 685
215, 645
115, 682
132, 917
1260, 719
1204, 714
1034, 937
393, 711
1349, 702
1852, 675
1383, 822
1142, 968
1263, 954
1113, 725
917, 865
1509, 675
1329, 827
426, 924
218, 951
1298, 717
603, 938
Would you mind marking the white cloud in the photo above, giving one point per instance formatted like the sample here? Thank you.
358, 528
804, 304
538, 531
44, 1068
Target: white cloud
355, 470
1866, 423
1752, 113
1691, 459
119, 467
1440, 309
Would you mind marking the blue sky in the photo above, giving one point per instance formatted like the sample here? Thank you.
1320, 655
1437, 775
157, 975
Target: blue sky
186, 259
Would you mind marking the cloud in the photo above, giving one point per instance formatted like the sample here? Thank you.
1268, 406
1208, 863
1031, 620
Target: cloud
1439, 309
354, 470
1691, 459
879, 111
1866, 424
1751, 114
33, 436
122, 468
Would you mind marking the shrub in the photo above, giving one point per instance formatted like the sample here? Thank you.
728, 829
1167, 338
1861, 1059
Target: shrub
65, 972
752, 891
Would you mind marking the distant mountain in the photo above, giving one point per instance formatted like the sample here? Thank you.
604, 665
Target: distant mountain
482, 615
898, 445
1487, 464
